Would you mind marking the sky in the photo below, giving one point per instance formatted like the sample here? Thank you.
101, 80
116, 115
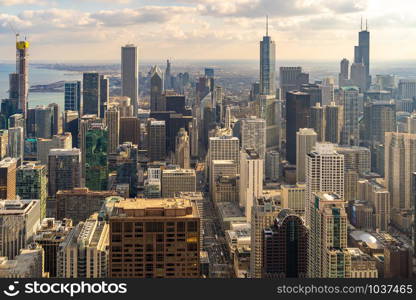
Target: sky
74, 30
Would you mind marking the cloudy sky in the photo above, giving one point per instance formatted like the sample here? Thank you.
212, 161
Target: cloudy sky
62, 30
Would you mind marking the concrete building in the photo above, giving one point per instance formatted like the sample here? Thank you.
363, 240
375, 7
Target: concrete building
306, 139
334, 119
272, 165
222, 174
182, 149
293, 198
350, 133
112, 117
177, 180
224, 148
8, 178
61, 141
130, 75
64, 170
317, 121
28, 264
172, 225
356, 158
291, 79
253, 135
4, 143
16, 142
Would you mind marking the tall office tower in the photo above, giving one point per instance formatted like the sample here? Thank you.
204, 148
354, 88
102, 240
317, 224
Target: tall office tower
328, 90
255, 91
175, 102
32, 183
30, 123
16, 142
407, 88
291, 79
104, 94
386, 81
267, 65
28, 264
96, 153
285, 247
22, 70
222, 174
350, 132
334, 122
64, 170
327, 237
78, 204
272, 165
156, 135
356, 158
91, 94
156, 90
379, 118
72, 96
49, 235
177, 180
324, 173
297, 116
155, 220
251, 179
362, 53
315, 92
400, 163
56, 125
293, 198
306, 139
168, 78
8, 178
130, 130
43, 121
17, 120
219, 101
18, 222
224, 148
270, 110
62, 141
4, 143
343, 77
112, 118
130, 75
84, 252
263, 214
70, 123
253, 135
410, 128
317, 121
359, 76
123, 104
182, 149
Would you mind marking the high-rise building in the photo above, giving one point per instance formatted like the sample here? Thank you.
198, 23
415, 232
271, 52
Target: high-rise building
84, 252
168, 78
291, 79
156, 90
166, 234
328, 90
104, 94
263, 214
343, 77
64, 170
400, 163
72, 91
327, 239
16, 142
315, 92
91, 94
28, 264
293, 198
223, 181
379, 118
358, 76
96, 153
156, 135
362, 53
224, 148
8, 178
22, 71
356, 158
130, 130
272, 165
78, 204
43, 119
285, 249
253, 135
306, 139
324, 173
177, 180
62, 141
182, 149
32, 183
407, 88
267, 65
334, 123
350, 133
4, 143
297, 116
112, 117
411, 124
18, 222
130, 75
251, 179
55, 124
49, 235
70, 123
317, 121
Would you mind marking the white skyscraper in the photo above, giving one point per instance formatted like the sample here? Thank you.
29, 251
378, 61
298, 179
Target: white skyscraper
16, 142
224, 148
130, 74
306, 139
350, 133
251, 179
253, 135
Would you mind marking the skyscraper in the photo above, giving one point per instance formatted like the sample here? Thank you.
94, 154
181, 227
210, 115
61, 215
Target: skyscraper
317, 121
362, 52
182, 149
22, 70
291, 79
156, 136
297, 116
379, 118
130, 75
267, 64
252, 134
177, 180
156, 90
306, 139
72, 91
4, 143
91, 94
224, 148
44, 121
96, 153
112, 117
130, 130
334, 122
350, 133
104, 94
16, 142
8, 178
168, 77
343, 77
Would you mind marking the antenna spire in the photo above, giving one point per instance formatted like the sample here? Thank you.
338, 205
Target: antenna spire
366, 24
267, 25
361, 26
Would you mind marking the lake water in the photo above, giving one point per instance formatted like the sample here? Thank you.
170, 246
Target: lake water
38, 76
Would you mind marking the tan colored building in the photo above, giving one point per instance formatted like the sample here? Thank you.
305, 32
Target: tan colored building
62, 141
182, 149
112, 118
8, 178
28, 264
362, 264
177, 180
4, 142
293, 197
154, 238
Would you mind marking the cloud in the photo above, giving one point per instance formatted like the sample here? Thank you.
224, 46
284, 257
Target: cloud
22, 2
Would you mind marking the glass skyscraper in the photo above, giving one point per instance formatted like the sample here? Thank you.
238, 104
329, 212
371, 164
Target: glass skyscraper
267, 65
